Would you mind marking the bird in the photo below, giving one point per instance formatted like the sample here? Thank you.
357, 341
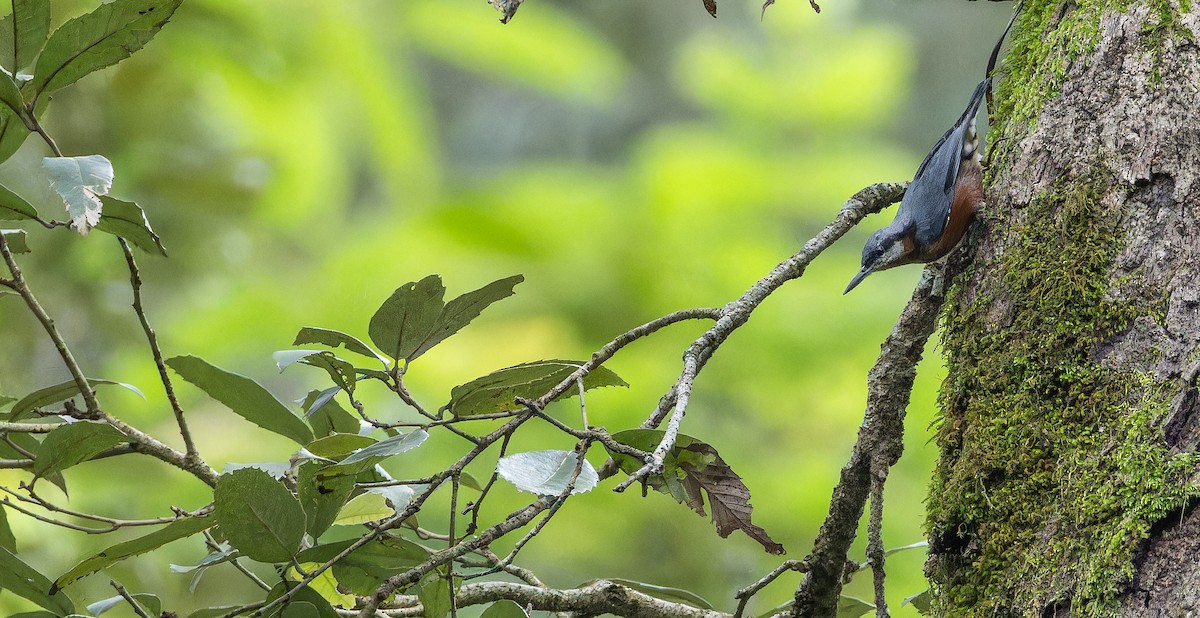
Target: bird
943, 197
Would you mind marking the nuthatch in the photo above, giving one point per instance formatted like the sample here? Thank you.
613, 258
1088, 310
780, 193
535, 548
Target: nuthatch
942, 198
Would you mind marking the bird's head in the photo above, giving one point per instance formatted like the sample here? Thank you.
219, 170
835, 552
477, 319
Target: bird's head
888, 247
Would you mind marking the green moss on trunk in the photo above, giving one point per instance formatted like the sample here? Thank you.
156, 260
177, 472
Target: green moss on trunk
1053, 468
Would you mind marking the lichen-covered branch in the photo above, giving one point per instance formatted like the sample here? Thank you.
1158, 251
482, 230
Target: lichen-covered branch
889, 384
869, 200
599, 597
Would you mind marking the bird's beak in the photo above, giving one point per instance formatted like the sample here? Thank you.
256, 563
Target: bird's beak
862, 274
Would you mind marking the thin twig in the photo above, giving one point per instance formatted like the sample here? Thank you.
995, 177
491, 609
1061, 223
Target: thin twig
37, 128
612, 347
875, 552
414, 505
406, 397
451, 541
28, 427
483, 493
582, 403
137, 607
191, 455
50, 520
60, 344
558, 501
745, 594
515, 520
214, 546
112, 523
522, 573
15, 464
594, 434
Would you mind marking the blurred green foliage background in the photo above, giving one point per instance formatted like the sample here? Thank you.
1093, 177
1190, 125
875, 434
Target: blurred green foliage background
301, 159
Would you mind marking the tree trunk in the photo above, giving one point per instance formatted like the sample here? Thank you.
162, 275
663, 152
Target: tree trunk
1067, 476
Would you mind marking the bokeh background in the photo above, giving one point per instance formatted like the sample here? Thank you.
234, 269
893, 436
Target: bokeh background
302, 159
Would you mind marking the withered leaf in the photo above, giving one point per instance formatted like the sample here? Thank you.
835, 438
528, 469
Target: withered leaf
692, 471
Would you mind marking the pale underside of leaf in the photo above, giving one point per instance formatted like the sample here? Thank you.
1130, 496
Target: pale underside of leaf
80, 181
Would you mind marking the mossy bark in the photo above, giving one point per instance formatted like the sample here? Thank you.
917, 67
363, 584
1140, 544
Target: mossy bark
1067, 476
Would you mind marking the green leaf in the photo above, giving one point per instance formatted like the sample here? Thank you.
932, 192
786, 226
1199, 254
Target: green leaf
368, 566
243, 396
277, 469
58, 392
325, 584
466, 479
460, 311
7, 540
22, 580
75, 443
546, 473
171, 532
148, 602
497, 391
504, 609
259, 516
28, 444
334, 339
920, 601
12, 133
852, 607
321, 499
225, 554
407, 317
305, 603
10, 95
777, 609
325, 414
127, 220
213, 612
16, 241
341, 372
365, 459
23, 32
102, 38
364, 508
14, 207
434, 595
80, 181
400, 443
398, 495
338, 446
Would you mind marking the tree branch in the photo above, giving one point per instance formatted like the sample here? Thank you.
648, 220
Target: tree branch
599, 597
22, 287
869, 200
880, 437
